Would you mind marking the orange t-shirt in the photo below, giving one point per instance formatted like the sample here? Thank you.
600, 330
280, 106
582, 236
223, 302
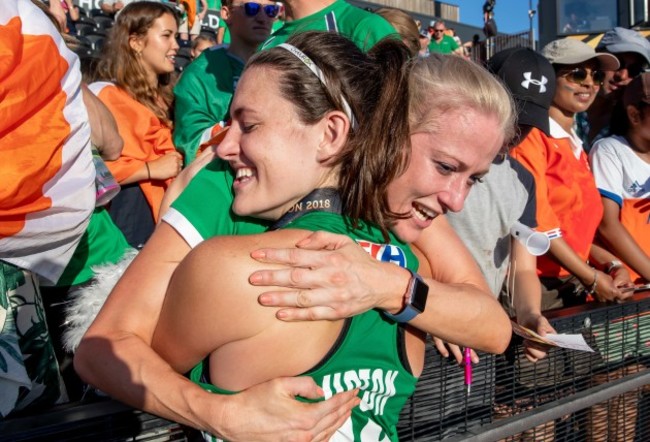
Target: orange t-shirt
145, 137
567, 197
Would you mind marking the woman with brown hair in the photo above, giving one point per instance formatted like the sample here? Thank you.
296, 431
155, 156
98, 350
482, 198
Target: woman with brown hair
309, 151
136, 86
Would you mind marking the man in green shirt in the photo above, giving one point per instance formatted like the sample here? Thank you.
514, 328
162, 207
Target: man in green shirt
362, 27
442, 43
204, 91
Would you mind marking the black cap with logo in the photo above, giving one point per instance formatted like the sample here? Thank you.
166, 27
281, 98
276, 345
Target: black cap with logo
531, 81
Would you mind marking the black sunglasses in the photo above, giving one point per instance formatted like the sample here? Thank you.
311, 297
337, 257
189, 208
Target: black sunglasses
579, 75
633, 69
438, 30
251, 9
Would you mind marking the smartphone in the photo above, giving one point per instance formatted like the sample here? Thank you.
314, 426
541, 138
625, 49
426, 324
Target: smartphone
636, 288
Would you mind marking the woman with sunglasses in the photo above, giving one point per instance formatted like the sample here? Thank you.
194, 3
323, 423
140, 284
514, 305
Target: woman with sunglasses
568, 204
136, 87
204, 91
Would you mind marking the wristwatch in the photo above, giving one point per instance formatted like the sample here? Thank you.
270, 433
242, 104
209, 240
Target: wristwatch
612, 265
415, 299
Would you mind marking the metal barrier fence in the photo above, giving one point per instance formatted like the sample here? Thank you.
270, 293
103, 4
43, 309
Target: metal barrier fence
568, 396
483, 50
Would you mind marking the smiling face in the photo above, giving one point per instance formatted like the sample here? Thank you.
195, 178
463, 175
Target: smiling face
157, 49
631, 64
274, 155
442, 169
571, 97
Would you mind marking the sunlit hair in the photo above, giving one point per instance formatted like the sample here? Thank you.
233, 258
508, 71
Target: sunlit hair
375, 86
404, 25
441, 84
121, 65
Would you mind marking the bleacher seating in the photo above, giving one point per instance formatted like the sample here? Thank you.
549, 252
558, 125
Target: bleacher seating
103, 22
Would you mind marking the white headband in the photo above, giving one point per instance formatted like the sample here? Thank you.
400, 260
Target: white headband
318, 73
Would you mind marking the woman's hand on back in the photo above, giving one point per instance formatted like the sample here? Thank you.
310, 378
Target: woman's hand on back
333, 276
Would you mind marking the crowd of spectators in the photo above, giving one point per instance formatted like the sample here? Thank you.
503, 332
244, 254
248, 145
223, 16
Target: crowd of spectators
157, 91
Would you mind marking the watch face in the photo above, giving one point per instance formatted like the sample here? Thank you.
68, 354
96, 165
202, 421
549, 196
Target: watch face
419, 295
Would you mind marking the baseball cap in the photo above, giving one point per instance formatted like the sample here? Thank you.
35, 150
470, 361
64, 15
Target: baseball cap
638, 90
530, 78
572, 51
424, 33
620, 40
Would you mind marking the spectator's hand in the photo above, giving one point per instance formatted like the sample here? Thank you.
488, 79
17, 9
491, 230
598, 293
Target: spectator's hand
333, 274
184, 177
117, 6
167, 166
270, 412
58, 13
535, 351
445, 347
622, 280
609, 290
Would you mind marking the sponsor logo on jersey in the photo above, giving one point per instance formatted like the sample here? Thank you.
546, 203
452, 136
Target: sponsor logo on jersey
384, 252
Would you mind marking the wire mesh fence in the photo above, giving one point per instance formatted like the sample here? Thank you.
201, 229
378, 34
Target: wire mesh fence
568, 396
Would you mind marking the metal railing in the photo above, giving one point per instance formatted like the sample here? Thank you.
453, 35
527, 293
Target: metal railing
568, 396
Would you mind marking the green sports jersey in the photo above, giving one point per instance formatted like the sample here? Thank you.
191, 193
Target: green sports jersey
203, 209
203, 95
102, 243
369, 351
362, 27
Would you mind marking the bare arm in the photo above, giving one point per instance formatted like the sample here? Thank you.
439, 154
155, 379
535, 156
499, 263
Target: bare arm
103, 128
204, 9
73, 10
220, 33
567, 258
528, 298
618, 239
346, 281
116, 356
183, 179
59, 13
461, 297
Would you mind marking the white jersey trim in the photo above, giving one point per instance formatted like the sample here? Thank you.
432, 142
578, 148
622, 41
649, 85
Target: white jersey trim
184, 228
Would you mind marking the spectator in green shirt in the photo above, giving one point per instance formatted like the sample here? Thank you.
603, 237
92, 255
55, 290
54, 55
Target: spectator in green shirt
443, 43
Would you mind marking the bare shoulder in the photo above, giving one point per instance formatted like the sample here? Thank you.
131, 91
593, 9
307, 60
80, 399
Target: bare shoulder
208, 296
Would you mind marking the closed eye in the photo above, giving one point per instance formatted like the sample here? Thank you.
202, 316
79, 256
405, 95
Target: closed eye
476, 179
247, 127
444, 168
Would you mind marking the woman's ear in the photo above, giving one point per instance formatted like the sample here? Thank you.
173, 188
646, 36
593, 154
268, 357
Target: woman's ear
136, 43
336, 128
225, 14
633, 115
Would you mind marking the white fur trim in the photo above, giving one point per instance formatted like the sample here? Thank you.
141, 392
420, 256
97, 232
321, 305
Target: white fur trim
86, 301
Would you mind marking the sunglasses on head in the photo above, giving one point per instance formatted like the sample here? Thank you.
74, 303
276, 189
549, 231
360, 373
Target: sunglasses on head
579, 75
633, 69
251, 9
